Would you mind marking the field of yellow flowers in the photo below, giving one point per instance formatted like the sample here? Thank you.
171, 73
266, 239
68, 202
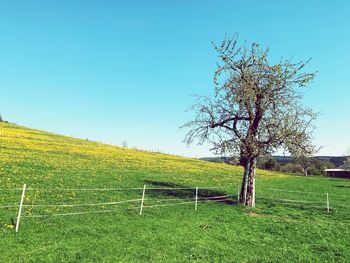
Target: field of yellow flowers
63, 170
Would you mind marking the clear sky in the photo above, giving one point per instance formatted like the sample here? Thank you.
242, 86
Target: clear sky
125, 70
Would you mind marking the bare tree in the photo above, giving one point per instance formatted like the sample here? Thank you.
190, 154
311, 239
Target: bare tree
304, 156
255, 109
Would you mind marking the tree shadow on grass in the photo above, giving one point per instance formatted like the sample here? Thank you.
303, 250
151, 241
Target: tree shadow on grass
203, 194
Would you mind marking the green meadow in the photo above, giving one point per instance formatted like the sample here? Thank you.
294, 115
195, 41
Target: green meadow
82, 204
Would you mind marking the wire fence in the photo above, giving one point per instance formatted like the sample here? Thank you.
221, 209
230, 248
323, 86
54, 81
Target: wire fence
305, 199
270, 196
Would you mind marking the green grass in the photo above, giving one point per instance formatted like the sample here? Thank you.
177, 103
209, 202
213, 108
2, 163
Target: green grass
277, 230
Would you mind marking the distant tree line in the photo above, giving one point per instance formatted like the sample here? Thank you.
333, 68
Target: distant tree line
313, 166
288, 164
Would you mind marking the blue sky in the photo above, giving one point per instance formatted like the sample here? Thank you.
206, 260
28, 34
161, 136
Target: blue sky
125, 70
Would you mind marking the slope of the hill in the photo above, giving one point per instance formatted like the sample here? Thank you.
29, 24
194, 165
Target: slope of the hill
289, 224
34, 155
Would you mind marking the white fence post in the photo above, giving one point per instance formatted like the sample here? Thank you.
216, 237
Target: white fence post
327, 203
238, 193
196, 203
20, 207
142, 199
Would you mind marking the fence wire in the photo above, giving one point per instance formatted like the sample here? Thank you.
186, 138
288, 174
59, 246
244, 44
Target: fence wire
213, 199
283, 197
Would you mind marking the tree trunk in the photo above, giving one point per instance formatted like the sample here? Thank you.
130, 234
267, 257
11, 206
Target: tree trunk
305, 171
247, 195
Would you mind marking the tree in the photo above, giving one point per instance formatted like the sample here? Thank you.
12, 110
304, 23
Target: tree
268, 163
125, 144
255, 109
346, 164
318, 166
303, 156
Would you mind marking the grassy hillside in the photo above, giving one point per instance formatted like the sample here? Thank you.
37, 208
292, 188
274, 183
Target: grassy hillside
290, 222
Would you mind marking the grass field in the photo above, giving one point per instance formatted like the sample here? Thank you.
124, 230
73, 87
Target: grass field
289, 224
